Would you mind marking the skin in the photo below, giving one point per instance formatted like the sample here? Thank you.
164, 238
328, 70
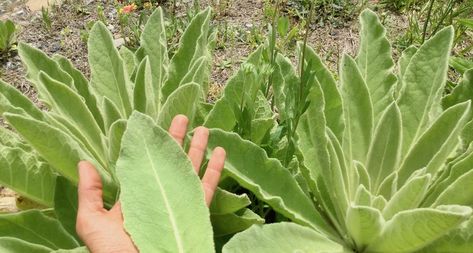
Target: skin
102, 230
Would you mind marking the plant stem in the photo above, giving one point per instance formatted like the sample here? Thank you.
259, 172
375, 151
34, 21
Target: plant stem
429, 13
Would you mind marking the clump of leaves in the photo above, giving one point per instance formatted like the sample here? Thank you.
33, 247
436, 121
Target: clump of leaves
382, 163
8, 33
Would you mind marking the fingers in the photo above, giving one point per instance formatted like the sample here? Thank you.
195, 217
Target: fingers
178, 128
212, 174
198, 147
89, 189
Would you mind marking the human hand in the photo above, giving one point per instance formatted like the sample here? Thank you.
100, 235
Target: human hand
101, 229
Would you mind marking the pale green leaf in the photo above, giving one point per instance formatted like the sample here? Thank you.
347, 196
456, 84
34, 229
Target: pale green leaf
281, 238
108, 73
225, 202
21, 171
436, 143
357, 110
153, 42
182, 101
192, 46
15, 245
66, 102
35, 227
364, 224
111, 113
375, 62
144, 98
423, 84
413, 229
128, 59
151, 161
249, 165
115, 135
14, 98
459, 192
408, 197
385, 148
333, 101
231, 223
82, 86
462, 92
65, 205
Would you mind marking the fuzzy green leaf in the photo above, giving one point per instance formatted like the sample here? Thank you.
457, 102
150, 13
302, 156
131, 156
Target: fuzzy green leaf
182, 101
152, 161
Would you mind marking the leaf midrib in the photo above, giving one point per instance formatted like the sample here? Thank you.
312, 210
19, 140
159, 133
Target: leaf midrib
162, 191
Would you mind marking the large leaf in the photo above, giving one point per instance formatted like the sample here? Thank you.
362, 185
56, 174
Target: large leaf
144, 97
192, 46
385, 149
82, 86
108, 74
423, 83
281, 238
182, 101
364, 224
459, 240
458, 193
152, 162
411, 230
153, 43
14, 245
66, 102
408, 197
61, 151
35, 61
35, 227
375, 62
249, 165
13, 98
22, 172
333, 101
462, 92
65, 205
437, 143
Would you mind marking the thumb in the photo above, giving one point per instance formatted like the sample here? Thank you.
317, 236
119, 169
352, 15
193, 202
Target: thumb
89, 189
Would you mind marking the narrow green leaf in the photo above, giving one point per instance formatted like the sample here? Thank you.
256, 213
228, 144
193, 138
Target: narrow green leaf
192, 46
458, 193
65, 205
375, 62
231, 223
152, 161
66, 102
225, 202
115, 134
411, 230
460, 64
143, 94
82, 86
182, 101
15, 245
35, 227
47, 140
436, 144
333, 101
462, 92
358, 112
281, 238
108, 73
21, 171
249, 166
364, 224
111, 113
128, 60
14, 98
385, 148
423, 84
408, 197
405, 59
154, 45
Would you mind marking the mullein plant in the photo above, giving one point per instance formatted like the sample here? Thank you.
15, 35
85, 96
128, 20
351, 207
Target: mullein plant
373, 161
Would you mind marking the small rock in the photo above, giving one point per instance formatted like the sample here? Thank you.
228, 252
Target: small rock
118, 42
111, 28
249, 25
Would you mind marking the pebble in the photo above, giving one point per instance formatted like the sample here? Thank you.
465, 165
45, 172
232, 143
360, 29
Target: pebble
118, 42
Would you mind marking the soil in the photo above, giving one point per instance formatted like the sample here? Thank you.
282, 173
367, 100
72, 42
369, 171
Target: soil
330, 39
